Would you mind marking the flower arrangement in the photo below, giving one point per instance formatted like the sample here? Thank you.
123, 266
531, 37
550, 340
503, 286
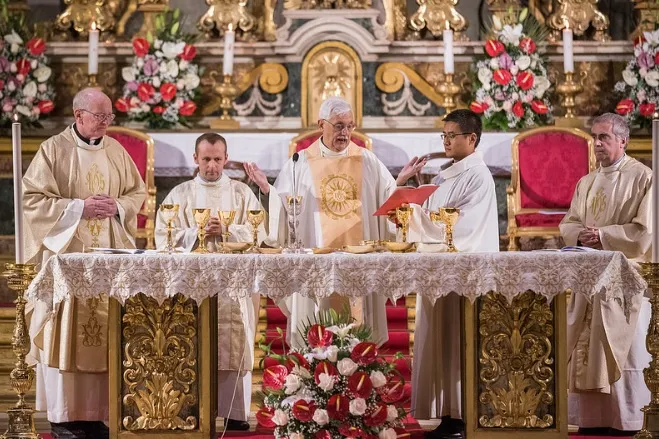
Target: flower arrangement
26, 87
640, 81
511, 79
163, 82
335, 387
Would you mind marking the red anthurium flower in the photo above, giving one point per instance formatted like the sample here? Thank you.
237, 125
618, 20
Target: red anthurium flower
187, 108
539, 107
122, 105
527, 45
494, 48
478, 107
377, 416
393, 391
502, 77
22, 66
140, 46
323, 434
625, 106
324, 367
296, 359
364, 353
318, 336
348, 430
303, 410
524, 80
158, 109
646, 109
264, 417
338, 407
46, 106
188, 53
360, 385
145, 91
36, 46
269, 361
274, 377
167, 91
518, 109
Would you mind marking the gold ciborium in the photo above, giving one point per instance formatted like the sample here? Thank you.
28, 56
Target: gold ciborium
403, 215
255, 218
226, 218
170, 212
201, 217
449, 216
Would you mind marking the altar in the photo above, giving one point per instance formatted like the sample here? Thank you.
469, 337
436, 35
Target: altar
504, 294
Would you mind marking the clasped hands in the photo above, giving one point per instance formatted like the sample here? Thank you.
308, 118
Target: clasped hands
590, 237
99, 207
214, 226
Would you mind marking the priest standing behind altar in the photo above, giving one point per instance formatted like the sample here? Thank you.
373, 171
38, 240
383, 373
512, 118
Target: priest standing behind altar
211, 188
81, 190
341, 185
610, 210
465, 183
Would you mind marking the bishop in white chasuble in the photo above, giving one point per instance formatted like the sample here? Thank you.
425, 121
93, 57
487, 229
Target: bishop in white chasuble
81, 190
610, 210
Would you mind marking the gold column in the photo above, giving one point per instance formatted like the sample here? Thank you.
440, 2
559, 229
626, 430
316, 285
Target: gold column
21, 421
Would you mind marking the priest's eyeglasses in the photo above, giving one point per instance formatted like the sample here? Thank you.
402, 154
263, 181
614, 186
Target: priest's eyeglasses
340, 127
101, 117
452, 136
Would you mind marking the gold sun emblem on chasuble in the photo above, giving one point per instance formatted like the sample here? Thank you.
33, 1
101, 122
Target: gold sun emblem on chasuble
339, 195
598, 204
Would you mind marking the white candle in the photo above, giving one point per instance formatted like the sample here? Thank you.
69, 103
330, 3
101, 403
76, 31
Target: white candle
92, 60
449, 65
655, 190
568, 55
18, 189
227, 61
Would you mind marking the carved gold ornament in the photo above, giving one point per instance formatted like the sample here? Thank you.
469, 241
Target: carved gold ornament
507, 11
578, 15
339, 195
150, 10
516, 362
79, 15
435, 14
227, 14
649, 19
160, 363
390, 78
327, 4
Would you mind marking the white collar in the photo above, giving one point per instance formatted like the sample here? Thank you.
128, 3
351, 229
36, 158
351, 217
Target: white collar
84, 145
223, 180
326, 152
456, 168
614, 166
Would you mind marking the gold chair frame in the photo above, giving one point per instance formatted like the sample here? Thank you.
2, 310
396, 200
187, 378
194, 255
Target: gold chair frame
368, 142
513, 192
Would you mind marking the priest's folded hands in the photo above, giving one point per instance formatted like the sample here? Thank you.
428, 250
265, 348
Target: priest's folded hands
214, 226
99, 206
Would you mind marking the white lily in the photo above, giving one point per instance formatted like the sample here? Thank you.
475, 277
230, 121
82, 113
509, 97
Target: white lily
13, 38
512, 34
341, 330
652, 37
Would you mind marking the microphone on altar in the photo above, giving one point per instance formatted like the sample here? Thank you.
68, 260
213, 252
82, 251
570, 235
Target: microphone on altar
296, 156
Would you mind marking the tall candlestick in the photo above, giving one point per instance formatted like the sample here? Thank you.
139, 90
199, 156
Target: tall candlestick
18, 189
92, 60
655, 190
568, 55
227, 61
449, 65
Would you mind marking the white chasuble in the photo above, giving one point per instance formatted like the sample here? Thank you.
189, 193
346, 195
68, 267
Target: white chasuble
436, 374
606, 338
340, 192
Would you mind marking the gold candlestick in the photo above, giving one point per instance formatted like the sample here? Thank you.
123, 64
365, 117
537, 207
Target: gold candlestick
255, 218
403, 215
228, 92
201, 217
170, 211
449, 216
21, 420
448, 90
92, 82
568, 89
226, 218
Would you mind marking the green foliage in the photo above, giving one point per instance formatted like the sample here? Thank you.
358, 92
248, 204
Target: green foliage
168, 27
330, 317
9, 22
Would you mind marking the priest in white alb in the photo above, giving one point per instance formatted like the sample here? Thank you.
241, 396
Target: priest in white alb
212, 188
611, 210
465, 183
341, 185
82, 190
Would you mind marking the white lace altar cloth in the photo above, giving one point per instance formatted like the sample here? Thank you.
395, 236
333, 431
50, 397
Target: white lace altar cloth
392, 275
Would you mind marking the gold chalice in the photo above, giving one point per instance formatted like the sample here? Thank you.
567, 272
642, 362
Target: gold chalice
255, 218
403, 215
226, 218
170, 212
449, 216
201, 217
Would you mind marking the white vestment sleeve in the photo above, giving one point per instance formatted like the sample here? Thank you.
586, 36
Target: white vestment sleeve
60, 235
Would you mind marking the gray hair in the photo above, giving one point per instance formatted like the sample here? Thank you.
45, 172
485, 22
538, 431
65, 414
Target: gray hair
619, 125
83, 99
333, 106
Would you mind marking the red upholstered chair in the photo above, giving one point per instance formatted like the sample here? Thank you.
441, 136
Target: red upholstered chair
547, 164
306, 139
141, 149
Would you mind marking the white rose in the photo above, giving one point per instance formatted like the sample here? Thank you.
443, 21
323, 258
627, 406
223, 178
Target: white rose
388, 433
128, 73
507, 105
14, 48
528, 98
171, 50
280, 417
292, 383
172, 68
36, 111
134, 101
534, 64
13, 38
33, 64
540, 84
346, 367
358, 406
392, 413
515, 96
296, 436
320, 417
13, 68
140, 63
629, 77
43, 88
191, 81
156, 82
652, 78
378, 379
183, 64
642, 72
163, 67
23, 110
514, 70
30, 89
145, 108
20, 77
43, 73
180, 84
332, 352
157, 44
494, 63
487, 87
484, 75
326, 381
523, 62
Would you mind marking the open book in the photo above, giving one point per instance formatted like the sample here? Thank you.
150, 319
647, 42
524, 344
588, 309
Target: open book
406, 195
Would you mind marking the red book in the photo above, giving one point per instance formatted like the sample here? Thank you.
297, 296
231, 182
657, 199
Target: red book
406, 195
